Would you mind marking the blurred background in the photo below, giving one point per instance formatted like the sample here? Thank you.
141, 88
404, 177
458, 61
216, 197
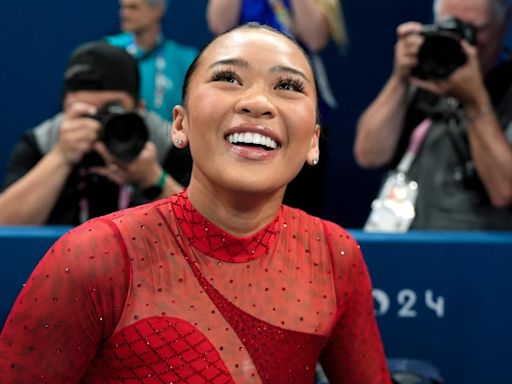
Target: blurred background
39, 36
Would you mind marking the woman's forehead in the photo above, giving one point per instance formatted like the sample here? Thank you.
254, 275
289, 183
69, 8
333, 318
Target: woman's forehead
256, 45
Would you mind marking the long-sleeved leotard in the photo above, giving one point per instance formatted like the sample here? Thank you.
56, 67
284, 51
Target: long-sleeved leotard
157, 294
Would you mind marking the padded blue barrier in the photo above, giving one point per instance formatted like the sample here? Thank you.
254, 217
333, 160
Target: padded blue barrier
439, 297
443, 297
20, 250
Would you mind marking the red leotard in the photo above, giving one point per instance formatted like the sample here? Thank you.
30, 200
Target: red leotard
157, 294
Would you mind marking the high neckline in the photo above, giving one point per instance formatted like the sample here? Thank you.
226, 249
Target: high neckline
212, 241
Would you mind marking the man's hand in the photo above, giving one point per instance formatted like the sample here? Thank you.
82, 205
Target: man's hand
143, 172
77, 132
465, 83
409, 41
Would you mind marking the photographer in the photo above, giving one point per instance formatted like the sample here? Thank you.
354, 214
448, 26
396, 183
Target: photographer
463, 167
61, 172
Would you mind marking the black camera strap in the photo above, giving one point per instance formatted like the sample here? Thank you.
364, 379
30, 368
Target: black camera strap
504, 112
458, 137
449, 110
457, 134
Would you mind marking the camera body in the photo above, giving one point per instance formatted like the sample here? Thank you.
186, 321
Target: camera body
124, 132
441, 53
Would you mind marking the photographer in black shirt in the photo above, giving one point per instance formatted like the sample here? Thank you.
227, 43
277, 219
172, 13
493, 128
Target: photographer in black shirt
102, 153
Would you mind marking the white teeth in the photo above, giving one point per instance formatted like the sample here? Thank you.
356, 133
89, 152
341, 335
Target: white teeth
252, 138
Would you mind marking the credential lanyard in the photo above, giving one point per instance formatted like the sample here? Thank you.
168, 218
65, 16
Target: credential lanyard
417, 138
161, 81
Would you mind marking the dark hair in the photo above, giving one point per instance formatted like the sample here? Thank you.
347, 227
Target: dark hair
252, 25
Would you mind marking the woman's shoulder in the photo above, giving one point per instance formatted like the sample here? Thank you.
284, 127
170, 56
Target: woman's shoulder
138, 215
90, 255
327, 240
104, 244
329, 231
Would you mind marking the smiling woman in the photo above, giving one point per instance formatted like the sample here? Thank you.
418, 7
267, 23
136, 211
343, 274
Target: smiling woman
221, 283
248, 86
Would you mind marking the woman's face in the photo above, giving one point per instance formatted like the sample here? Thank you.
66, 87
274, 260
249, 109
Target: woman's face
250, 115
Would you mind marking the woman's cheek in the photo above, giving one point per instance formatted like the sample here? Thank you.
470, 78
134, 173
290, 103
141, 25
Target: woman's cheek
303, 117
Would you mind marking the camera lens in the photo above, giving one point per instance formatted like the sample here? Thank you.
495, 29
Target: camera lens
441, 52
439, 56
124, 135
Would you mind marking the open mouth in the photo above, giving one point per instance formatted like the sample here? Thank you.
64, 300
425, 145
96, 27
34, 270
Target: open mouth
252, 140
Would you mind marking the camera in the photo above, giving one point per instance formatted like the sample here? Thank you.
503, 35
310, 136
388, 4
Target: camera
124, 132
441, 52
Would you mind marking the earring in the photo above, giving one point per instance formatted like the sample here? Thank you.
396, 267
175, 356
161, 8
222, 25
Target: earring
315, 160
179, 141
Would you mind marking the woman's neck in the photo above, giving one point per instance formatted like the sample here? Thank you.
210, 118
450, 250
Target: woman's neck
237, 213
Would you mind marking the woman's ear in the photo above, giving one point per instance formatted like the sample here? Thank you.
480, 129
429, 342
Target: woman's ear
314, 150
179, 127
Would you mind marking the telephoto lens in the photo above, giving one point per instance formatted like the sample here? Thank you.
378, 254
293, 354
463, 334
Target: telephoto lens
441, 53
123, 132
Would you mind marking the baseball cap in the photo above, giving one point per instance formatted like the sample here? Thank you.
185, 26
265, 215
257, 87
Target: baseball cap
100, 66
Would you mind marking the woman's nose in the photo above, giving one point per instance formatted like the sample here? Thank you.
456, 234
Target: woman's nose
256, 103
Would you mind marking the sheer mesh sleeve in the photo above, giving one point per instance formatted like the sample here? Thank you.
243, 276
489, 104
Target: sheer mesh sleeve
70, 303
354, 353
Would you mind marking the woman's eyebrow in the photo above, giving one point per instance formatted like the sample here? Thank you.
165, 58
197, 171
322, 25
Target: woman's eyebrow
287, 69
234, 61
245, 64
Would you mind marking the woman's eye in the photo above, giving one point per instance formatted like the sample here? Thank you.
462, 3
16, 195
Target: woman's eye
226, 76
296, 85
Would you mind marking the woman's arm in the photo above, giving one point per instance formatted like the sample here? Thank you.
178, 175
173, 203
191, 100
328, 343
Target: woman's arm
354, 353
67, 307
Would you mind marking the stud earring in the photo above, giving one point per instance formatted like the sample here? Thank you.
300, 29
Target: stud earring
179, 141
315, 160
